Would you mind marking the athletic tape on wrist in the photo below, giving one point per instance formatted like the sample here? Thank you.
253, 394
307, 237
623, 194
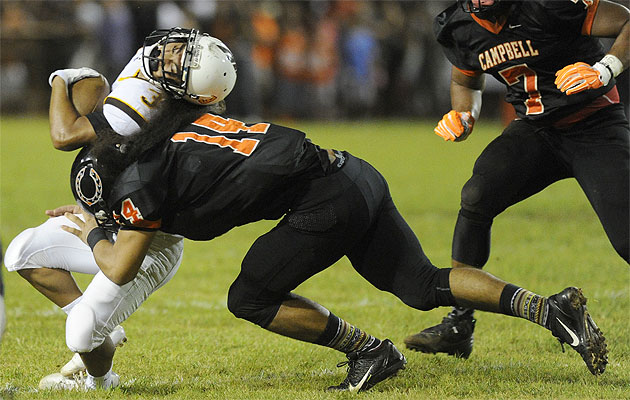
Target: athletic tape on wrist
605, 73
95, 236
614, 65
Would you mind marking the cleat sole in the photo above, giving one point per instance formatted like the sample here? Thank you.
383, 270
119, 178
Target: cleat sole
459, 350
595, 352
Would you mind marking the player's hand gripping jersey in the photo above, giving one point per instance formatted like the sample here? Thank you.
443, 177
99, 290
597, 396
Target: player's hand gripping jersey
132, 102
525, 50
218, 170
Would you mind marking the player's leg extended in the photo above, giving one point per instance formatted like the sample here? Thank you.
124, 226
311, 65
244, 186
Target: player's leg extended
261, 296
564, 314
600, 160
303, 244
514, 166
392, 259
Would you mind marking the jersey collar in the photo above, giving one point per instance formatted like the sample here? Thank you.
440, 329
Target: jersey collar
494, 27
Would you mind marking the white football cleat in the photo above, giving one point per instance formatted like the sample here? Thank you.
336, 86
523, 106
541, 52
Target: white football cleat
112, 382
57, 381
75, 365
80, 382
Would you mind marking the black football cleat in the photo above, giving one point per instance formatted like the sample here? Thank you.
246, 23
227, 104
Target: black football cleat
367, 368
454, 336
570, 322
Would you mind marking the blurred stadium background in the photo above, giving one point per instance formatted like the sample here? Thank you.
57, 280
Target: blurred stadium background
320, 59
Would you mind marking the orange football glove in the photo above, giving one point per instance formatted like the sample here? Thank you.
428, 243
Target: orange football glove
455, 126
580, 76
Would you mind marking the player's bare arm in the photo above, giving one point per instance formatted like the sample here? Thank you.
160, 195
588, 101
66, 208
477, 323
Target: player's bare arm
611, 20
466, 91
120, 261
69, 128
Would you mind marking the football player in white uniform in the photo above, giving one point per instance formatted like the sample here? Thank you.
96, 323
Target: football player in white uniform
173, 64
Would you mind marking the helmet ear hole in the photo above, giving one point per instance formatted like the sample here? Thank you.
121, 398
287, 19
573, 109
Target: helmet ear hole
154, 62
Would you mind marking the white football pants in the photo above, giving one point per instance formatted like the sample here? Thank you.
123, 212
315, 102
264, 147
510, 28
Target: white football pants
104, 304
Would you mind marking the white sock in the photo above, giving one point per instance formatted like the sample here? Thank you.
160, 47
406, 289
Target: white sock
70, 306
104, 381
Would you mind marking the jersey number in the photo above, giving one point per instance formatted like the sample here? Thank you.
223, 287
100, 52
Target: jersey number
229, 125
512, 76
218, 124
131, 212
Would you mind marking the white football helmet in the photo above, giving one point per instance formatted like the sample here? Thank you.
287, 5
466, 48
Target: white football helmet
207, 70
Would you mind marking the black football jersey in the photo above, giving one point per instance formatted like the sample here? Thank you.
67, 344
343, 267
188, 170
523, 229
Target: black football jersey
524, 52
213, 175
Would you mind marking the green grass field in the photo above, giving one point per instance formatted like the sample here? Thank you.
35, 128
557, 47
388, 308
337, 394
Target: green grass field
184, 344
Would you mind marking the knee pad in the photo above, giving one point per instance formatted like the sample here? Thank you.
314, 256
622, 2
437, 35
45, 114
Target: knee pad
473, 192
80, 327
252, 303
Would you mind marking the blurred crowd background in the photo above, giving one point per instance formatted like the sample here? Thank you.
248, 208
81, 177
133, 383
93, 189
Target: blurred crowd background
335, 59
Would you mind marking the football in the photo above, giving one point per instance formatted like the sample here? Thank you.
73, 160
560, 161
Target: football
87, 95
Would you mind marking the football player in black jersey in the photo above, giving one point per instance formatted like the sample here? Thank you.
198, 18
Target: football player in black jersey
218, 173
561, 83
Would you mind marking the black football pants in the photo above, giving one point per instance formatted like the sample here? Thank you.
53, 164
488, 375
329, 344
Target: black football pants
347, 213
526, 159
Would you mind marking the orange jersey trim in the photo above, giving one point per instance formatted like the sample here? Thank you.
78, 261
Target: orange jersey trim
148, 224
612, 97
494, 27
467, 72
590, 17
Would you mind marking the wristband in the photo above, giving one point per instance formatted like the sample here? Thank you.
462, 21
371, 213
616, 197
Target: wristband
96, 235
468, 121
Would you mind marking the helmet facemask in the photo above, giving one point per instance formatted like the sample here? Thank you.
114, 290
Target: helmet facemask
207, 71
153, 55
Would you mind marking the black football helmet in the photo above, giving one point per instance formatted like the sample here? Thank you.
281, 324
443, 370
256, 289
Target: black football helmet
89, 187
470, 7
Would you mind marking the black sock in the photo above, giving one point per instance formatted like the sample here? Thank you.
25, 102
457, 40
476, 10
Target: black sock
342, 336
522, 303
